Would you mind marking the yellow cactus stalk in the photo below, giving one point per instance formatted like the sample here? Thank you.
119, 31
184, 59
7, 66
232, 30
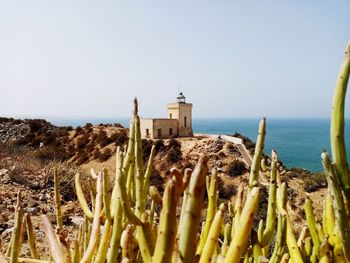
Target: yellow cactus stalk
192, 211
101, 253
167, 226
259, 148
240, 239
17, 236
31, 237
95, 231
342, 224
213, 235
211, 210
311, 222
337, 124
265, 235
81, 198
106, 200
57, 252
57, 199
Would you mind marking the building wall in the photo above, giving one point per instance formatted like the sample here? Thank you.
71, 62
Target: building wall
181, 111
146, 124
153, 125
165, 125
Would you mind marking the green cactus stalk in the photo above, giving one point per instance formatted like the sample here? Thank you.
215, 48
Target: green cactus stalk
57, 253
291, 242
105, 239
76, 256
167, 226
185, 181
328, 219
149, 170
116, 233
87, 233
342, 223
256, 248
293, 248
213, 235
279, 248
57, 200
8, 250
106, 200
265, 235
240, 239
118, 170
211, 210
337, 124
227, 239
285, 258
155, 195
308, 248
237, 211
186, 178
81, 198
192, 211
17, 236
259, 148
31, 237
95, 230
129, 157
121, 192
140, 195
311, 222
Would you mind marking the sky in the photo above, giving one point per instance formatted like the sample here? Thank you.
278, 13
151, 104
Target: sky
239, 59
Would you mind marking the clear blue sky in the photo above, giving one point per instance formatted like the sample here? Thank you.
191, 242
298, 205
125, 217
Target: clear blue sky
230, 58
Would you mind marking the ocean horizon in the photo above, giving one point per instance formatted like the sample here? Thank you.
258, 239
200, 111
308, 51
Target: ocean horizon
298, 141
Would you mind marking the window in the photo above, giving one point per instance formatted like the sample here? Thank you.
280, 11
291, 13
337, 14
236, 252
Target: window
170, 131
159, 133
170, 115
185, 120
147, 133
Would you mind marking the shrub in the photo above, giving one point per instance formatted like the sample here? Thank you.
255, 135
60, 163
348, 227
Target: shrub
313, 182
159, 145
146, 148
235, 168
105, 155
82, 157
174, 143
35, 125
225, 191
82, 141
174, 155
50, 153
120, 138
102, 139
78, 131
67, 128
66, 172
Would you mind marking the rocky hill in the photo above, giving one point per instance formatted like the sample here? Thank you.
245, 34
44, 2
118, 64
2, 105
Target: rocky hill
30, 150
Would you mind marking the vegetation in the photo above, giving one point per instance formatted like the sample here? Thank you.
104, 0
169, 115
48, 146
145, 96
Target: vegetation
174, 153
123, 226
236, 167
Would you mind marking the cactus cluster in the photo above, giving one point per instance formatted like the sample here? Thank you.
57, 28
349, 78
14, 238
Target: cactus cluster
122, 223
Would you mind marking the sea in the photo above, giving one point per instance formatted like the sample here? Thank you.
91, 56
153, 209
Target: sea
298, 142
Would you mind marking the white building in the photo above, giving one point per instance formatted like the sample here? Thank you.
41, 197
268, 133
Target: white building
178, 123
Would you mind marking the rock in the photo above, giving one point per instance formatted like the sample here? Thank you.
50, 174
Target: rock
3, 172
32, 210
42, 197
77, 220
